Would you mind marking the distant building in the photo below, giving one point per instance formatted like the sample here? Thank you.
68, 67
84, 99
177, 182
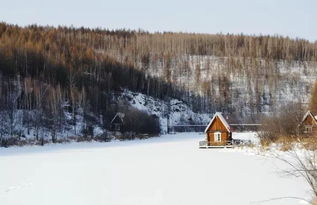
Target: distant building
117, 122
308, 124
218, 131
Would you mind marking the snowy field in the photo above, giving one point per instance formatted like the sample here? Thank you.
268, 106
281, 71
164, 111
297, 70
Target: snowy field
169, 170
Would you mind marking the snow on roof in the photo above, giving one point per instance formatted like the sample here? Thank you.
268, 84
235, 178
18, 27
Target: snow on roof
309, 113
120, 115
218, 114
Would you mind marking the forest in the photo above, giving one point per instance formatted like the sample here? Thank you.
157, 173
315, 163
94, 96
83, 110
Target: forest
54, 78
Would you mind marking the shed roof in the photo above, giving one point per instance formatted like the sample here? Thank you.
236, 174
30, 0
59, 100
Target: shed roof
223, 120
309, 113
119, 116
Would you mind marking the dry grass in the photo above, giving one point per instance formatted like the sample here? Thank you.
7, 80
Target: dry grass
286, 143
265, 143
309, 143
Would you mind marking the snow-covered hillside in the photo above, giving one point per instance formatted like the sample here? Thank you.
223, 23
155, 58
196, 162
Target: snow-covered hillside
159, 171
179, 113
243, 85
254, 85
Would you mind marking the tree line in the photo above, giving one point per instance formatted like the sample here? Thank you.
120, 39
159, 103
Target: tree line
46, 70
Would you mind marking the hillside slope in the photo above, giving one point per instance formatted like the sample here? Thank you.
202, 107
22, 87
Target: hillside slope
46, 72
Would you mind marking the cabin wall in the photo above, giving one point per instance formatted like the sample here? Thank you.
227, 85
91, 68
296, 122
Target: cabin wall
225, 136
310, 122
218, 126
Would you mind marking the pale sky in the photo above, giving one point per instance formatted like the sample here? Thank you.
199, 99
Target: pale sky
294, 18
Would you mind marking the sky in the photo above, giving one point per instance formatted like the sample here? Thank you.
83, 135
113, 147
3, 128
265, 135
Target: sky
293, 18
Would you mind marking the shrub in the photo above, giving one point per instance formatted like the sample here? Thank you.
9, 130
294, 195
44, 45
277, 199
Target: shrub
283, 123
104, 137
88, 131
140, 122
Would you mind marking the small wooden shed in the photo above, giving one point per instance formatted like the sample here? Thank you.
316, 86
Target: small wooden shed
218, 131
117, 122
308, 124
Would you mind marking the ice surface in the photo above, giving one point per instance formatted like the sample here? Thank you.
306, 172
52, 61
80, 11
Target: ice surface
166, 170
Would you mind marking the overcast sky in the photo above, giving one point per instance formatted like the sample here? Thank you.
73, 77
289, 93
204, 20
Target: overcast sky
294, 18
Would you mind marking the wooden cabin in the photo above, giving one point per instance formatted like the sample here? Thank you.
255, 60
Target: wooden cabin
308, 124
117, 122
218, 131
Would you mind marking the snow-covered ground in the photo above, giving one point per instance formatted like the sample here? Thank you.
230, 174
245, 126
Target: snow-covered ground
167, 170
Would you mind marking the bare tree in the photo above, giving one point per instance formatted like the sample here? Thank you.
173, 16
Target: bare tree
302, 163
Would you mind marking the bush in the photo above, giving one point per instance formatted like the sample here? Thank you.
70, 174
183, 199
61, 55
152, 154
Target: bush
88, 131
140, 122
104, 137
281, 124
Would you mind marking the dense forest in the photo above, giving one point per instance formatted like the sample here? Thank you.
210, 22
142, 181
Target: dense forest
52, 78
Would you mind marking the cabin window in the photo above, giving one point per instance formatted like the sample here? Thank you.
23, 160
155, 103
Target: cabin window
217, 136
308, 129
